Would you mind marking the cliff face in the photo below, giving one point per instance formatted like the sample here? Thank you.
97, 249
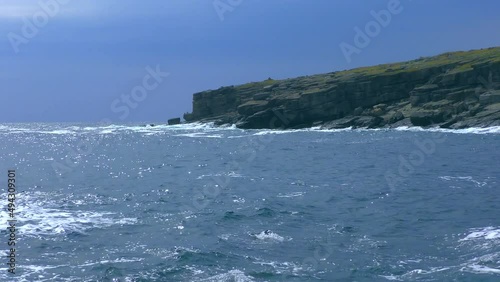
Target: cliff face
458, 89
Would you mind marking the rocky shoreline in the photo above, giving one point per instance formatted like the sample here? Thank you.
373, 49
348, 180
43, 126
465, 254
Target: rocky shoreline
453, 90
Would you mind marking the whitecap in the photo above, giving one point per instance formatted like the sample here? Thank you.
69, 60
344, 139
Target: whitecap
231, 174
36, 218
487, 233
464, 178
475, 268
269, 235
470, 130
281, 267
230, 276
57, 132
391, 277
199, 135
311, 129
119, 260
291, 195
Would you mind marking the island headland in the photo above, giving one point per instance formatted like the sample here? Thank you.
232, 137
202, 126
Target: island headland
451, 90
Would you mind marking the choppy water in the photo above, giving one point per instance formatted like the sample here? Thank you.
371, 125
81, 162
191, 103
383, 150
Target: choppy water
198, 203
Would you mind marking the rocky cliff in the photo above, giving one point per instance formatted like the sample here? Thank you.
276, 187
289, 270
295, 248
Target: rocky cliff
456, 90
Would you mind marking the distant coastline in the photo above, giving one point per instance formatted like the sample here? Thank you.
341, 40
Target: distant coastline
453, 90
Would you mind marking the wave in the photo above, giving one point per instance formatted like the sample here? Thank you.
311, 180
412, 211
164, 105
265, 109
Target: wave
200, 135
464, 178
291, 195
479, 253
482, 245
487, 233
197, 127
231, 174
287, 268
412, 274
38, 217
311, 129
120, 260
268, 235
480, 269
230, 276
470, 130
149, 129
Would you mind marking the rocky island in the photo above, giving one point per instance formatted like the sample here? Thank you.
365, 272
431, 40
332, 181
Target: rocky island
451, 90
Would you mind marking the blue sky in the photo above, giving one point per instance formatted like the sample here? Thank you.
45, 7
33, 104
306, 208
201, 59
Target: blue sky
91, 52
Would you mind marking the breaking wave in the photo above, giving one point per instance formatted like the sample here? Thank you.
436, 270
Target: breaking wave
37, 216
196, 130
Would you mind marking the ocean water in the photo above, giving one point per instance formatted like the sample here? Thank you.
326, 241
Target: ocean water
200, 203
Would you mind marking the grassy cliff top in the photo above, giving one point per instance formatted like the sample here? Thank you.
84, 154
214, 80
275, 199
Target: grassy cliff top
455, 62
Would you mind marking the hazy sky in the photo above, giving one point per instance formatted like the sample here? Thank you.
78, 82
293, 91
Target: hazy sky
74, 60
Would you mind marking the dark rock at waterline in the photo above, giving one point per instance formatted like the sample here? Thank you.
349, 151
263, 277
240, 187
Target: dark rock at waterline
404, 122
355, 122
369, 122
449, 123
174, 121
339, 123
425, 118
397, 116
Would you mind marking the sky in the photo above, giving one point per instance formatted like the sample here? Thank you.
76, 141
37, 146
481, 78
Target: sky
141, 61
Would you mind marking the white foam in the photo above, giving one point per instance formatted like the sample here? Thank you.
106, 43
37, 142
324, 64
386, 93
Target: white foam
392, 277
471, 130
194, 270
487, 233
266, 132
269, 236
311, 129
281, 267
120, 260
464, 178
199, 135
475, 268
107, 131
29, 272
230, 276
38, 217
239, 200
112, 128
231, 174
291, 195
410, 275
209, 127
57, 132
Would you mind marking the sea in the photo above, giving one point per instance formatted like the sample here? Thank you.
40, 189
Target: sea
196, 202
